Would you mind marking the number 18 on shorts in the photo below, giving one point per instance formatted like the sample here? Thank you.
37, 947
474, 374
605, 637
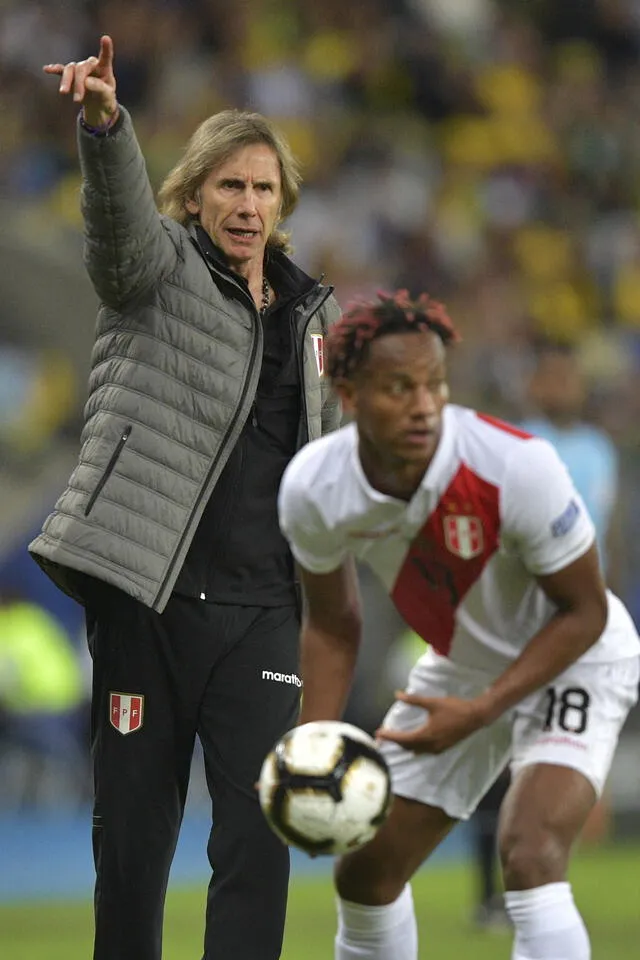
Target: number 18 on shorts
573, 722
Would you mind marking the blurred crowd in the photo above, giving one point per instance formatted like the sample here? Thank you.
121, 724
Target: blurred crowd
480, 149
483, 150
37, 396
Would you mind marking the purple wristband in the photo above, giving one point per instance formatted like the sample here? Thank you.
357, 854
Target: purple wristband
101, 131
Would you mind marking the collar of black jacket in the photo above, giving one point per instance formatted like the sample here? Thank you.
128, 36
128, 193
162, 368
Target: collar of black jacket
287, 279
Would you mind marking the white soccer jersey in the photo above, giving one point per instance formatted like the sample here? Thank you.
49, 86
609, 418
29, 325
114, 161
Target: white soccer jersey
496, 507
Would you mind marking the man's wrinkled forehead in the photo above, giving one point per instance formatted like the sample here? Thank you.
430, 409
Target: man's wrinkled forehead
249, 161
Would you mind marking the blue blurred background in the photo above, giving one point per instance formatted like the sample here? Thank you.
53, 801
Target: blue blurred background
484, 151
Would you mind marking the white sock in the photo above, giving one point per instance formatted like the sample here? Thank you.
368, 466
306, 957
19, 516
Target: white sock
377, 933
547, 924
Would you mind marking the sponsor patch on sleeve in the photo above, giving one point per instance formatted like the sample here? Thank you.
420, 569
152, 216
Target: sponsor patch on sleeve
566, 520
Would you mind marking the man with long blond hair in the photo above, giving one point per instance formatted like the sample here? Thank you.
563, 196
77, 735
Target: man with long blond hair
206, 378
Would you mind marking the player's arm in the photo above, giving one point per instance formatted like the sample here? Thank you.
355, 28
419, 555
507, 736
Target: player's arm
578, 594
547, 524
555, 539
332, 623
330, 639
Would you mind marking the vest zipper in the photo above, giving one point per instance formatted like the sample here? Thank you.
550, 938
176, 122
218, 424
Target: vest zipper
253, 376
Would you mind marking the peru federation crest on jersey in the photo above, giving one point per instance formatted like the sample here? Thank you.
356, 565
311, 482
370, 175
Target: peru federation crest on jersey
463, 536
126, 711
318, 350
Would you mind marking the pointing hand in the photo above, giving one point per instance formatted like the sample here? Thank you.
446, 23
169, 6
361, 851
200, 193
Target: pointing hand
91, 83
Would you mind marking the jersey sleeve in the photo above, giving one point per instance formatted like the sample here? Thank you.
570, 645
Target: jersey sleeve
543, 514
313, 544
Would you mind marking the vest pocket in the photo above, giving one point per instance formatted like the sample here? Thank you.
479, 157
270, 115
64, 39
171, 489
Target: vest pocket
108, 470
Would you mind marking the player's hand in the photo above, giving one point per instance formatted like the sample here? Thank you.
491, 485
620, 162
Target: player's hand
92, 83
449, 720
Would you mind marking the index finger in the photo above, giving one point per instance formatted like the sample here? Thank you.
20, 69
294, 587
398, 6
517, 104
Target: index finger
106, 51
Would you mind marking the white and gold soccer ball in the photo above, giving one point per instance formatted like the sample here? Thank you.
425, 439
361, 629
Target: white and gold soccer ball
325, 788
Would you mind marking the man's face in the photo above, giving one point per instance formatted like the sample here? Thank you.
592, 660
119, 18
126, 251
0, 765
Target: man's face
398, 395
239, 202
557, 388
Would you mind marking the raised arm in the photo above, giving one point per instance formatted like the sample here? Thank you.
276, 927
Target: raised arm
332, 623
126, 247
330, 640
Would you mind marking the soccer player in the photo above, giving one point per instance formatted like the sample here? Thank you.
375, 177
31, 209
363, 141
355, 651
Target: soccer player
488, 552
558, 393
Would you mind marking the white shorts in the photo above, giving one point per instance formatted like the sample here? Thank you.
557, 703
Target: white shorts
574, 722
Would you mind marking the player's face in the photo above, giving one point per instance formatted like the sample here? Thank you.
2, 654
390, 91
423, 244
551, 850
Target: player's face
398, 397
239, 202
557, 388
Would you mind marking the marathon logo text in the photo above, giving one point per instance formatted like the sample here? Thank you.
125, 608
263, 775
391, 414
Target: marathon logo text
282, 677
566, 520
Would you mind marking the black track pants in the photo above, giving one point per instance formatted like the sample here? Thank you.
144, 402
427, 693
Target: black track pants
229, 674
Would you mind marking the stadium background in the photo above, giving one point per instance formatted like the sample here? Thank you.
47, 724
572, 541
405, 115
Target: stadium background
484, 150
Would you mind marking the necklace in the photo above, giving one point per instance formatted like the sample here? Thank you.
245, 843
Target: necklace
265, 295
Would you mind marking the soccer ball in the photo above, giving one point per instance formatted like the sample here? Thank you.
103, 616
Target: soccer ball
325, 788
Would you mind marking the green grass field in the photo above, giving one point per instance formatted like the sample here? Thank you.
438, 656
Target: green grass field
606, 883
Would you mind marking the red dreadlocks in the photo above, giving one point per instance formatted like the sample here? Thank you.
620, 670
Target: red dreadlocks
365, 320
